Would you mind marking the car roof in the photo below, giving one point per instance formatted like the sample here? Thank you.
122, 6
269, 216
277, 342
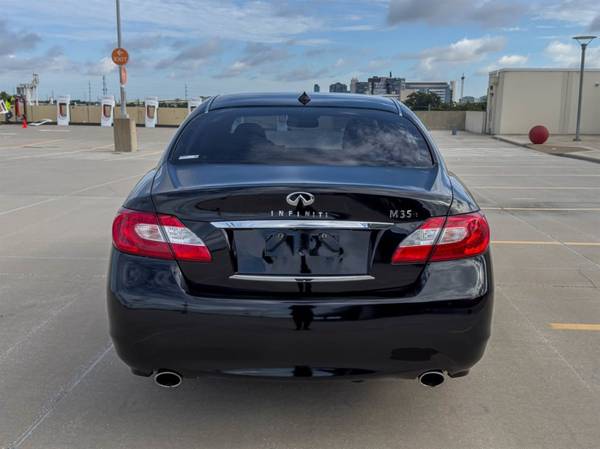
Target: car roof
316, 100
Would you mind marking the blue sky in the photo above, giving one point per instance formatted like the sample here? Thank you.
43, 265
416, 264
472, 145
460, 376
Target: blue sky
221, 46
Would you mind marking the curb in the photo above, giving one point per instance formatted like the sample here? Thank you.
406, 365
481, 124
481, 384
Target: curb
567, 155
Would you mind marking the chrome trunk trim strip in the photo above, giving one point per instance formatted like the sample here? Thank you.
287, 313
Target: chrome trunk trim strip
300, 224
268, 278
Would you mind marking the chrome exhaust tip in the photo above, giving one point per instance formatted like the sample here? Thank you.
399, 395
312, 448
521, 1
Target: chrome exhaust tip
432, 378
167, 379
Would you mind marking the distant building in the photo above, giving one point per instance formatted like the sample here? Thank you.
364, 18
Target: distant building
338, 87
359, 87
390, 86
441, 88
520, 98
467, 99
316, 88
386, 85
483, 99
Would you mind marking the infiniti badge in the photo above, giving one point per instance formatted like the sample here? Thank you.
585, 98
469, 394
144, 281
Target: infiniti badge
302, 198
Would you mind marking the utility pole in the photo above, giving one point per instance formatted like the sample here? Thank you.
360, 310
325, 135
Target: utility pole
123, 97
124, 130
89, 100
186, 92
462, 87
104, 89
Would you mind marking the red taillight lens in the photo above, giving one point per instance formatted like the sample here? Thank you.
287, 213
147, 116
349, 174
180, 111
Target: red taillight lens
185, 244
162, 237
460, 236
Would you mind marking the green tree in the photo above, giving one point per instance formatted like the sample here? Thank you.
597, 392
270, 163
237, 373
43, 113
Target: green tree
423, 100
4, 96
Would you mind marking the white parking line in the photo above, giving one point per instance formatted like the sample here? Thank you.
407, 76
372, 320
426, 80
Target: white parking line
43, 142
59, 395
50, 154
85, 189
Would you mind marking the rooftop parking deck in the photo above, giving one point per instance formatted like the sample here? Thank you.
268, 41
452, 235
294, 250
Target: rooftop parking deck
62, 385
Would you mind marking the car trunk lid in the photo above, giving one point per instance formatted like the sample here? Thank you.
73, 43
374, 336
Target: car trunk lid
306, 229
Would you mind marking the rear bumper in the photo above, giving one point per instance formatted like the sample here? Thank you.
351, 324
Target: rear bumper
156, 325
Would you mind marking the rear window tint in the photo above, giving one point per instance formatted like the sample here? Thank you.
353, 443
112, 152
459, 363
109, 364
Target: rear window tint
302, 136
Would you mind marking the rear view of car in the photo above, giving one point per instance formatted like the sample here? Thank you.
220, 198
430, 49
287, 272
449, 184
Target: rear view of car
286, 236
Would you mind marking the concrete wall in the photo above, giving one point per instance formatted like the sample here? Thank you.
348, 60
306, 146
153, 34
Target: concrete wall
443, 119
475, 122
174, 116
91, 114
522, 98
36, 113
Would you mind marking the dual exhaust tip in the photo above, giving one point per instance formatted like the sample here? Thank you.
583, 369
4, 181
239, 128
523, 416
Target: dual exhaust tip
172, 379
167, 379
432, 378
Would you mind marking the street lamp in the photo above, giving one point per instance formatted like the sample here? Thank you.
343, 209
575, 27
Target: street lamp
584, 42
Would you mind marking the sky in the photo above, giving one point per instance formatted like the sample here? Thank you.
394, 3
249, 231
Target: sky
224, 46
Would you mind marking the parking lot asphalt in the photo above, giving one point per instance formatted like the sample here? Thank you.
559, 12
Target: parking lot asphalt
62, 385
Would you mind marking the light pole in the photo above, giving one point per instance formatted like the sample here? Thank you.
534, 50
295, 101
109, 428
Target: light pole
123, 99
124, 126
584, 42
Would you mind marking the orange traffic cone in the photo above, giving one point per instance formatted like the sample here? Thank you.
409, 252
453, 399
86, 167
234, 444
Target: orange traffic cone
24, 123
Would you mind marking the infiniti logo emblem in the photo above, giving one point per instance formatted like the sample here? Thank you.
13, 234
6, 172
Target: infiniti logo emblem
302, 198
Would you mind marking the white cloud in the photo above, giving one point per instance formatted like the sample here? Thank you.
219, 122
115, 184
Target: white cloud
253, 21
103, 67
360, 27
53, 60
311, 42
484, 12
303, 74
513, 60
433, 61
575, 12
11, 41
502, 62
255, 55
569, 54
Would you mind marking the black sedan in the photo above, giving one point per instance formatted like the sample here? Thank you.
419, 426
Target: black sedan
300, 236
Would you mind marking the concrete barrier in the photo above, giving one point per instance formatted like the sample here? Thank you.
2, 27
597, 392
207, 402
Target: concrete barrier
443, 119
41, 112
475, 122
81, 114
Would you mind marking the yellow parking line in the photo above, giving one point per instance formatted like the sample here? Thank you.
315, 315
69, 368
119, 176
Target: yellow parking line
575, 327
543, 242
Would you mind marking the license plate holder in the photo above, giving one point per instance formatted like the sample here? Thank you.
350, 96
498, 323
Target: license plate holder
303, 251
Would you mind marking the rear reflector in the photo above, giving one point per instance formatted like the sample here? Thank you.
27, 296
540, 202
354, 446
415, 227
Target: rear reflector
460, 236
159, 236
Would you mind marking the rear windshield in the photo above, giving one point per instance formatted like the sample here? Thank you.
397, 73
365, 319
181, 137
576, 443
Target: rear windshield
301, 136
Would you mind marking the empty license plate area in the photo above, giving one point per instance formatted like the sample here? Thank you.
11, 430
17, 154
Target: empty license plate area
302, 251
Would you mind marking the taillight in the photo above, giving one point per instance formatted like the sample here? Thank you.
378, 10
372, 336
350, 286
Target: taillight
457, 236
159, 236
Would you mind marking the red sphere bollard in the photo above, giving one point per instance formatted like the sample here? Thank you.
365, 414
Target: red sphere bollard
539, 134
